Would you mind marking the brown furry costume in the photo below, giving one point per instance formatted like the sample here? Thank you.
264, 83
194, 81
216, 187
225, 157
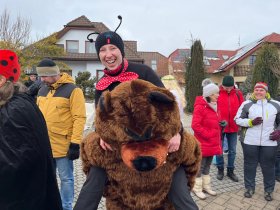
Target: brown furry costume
137, 119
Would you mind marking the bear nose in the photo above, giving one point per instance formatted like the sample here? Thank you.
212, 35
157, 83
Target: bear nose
144, 163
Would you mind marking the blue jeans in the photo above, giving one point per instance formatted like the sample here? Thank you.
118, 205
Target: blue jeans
66, 176
232, 141
225, 144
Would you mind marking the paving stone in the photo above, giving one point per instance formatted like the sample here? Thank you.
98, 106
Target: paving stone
214, 206
201, 203
260, 203
236, 196
238, 203
220, 201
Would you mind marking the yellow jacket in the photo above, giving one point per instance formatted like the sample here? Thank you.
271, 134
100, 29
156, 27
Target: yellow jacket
63, 106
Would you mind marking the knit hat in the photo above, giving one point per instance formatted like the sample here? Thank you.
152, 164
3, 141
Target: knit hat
109, 37
209, 88
47, 68
228, 81
261, 85
9, 66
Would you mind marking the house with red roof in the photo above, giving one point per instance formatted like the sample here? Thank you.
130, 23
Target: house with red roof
219, 63
244, 59
212, 59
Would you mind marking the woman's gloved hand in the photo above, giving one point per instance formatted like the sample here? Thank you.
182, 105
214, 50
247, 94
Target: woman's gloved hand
275, 135
257, 121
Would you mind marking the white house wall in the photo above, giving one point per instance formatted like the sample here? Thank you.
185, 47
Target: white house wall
81, 66
93, 66
79, 35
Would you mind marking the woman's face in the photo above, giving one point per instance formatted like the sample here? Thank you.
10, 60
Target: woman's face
259, 93
110, 56
214, 97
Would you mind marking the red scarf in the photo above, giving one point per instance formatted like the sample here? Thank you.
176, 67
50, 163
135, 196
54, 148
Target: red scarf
110, 76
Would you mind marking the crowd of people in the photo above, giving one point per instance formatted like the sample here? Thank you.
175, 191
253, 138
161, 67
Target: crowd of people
45, 137
258, 119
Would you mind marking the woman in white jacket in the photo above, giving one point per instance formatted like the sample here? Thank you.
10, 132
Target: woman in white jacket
259, 118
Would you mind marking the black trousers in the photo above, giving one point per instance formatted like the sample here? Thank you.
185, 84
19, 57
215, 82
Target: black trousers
265, 156
205, 166
92, 191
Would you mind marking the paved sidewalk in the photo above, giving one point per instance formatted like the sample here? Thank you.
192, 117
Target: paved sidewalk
230, 194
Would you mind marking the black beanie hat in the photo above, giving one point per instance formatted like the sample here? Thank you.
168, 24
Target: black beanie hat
47, 67
109, 37
228, 81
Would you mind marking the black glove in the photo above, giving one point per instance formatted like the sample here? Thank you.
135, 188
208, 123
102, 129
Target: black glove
257, 121
275, 135
223, 123
74, 151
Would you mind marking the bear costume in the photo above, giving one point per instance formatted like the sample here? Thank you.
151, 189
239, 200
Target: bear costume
137, 119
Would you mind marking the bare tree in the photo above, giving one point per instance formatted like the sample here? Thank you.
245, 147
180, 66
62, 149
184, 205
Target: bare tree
14, 34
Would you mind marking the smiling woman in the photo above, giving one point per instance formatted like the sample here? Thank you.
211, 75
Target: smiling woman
207, 129
260, 116
110, 56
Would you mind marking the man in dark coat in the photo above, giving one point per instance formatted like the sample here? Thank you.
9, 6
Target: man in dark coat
33, 76
27, 178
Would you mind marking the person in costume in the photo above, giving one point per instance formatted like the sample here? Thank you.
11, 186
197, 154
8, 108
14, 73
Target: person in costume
110, 50
27, 178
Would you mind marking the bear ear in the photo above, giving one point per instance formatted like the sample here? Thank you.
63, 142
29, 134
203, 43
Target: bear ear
105, 102
160, 97
139, 85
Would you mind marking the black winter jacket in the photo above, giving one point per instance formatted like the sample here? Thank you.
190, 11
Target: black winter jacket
27, 178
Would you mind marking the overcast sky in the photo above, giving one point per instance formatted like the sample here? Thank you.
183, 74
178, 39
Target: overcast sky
159, 25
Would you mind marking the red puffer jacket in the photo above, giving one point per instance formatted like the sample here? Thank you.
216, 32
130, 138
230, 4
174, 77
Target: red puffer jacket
205, 124
228, 104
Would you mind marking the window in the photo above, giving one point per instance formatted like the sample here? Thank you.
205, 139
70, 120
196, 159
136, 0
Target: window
252, 60
90, 48
154, 64
72, 46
